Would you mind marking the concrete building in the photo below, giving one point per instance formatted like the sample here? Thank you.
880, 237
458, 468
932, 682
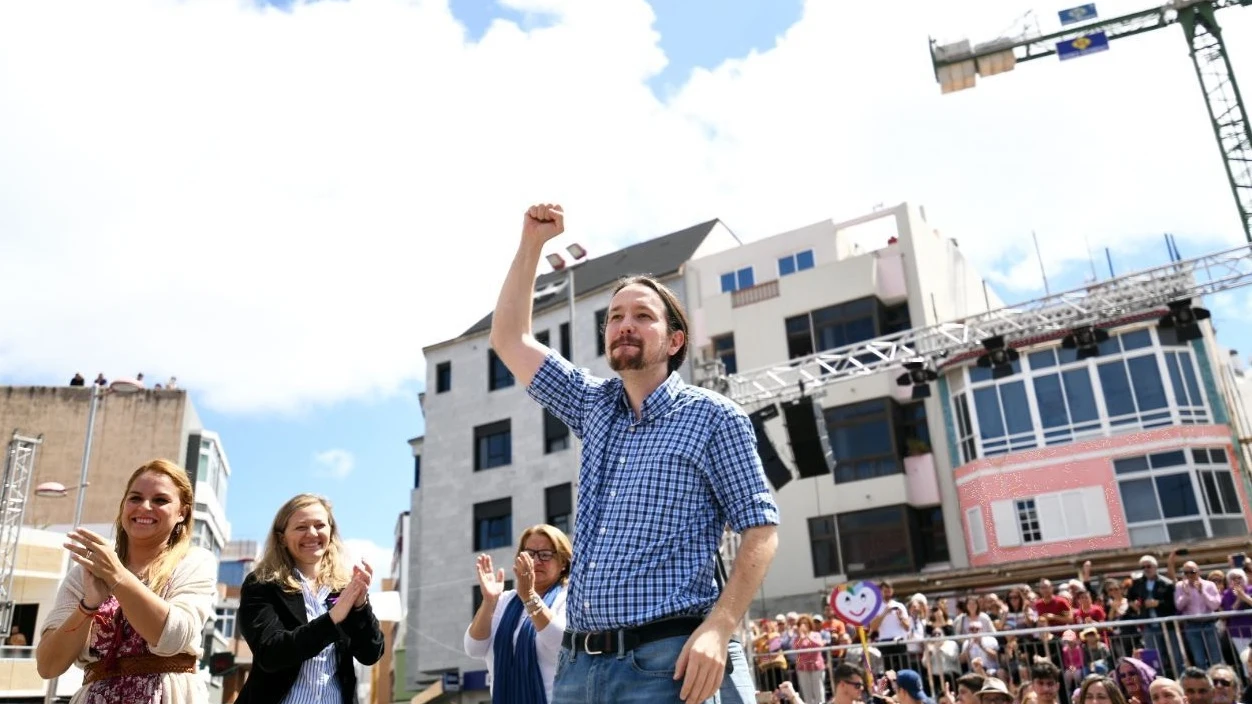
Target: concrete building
129, 430
818, 288
493, 463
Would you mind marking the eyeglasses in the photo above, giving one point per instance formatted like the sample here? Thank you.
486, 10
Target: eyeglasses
1222, 683
854, 683
541, 555
1190, 573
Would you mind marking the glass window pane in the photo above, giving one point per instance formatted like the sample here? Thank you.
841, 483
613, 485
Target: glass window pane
1212, 499
1188, 375
745, 277
1080, 395
1226, 487
1130, 464
728, 283
1201, 456
1016, 408
1042, 360
1052, 413
786, 265
1173, 458
1175, 379
1146, 377
1218, 456
1116, 388
1228, 527
1177, 496
1148, 535
1139, 500
804, 260
1186, 530
987, 407
1136, 340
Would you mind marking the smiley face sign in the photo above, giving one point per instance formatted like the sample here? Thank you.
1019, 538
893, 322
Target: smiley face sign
856, 603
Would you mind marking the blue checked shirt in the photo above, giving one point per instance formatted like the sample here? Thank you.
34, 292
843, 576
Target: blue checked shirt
654, 494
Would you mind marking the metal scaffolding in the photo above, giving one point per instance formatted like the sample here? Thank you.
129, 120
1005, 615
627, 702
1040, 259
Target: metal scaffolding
14, 491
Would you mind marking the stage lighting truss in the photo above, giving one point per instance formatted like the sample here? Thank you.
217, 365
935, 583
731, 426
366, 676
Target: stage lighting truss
1142, 295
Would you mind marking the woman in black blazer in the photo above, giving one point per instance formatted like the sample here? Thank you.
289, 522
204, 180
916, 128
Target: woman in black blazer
303, 615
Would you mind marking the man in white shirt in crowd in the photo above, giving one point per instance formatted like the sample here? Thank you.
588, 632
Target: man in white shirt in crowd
892, 625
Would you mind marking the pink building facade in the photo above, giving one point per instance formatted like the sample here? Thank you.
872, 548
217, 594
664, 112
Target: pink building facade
1063, 456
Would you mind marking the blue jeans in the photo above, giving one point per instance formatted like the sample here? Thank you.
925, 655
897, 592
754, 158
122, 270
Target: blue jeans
1201, 638
645, 674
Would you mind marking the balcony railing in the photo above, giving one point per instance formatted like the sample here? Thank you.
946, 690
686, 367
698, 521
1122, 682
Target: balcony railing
754, 294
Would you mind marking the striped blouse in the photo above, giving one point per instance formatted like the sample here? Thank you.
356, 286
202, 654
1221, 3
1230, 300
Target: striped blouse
316, 682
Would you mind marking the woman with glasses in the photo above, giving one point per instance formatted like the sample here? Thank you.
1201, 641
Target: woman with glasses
518, 631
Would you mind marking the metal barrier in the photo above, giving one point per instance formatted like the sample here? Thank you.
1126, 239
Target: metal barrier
1169, 644
16, 652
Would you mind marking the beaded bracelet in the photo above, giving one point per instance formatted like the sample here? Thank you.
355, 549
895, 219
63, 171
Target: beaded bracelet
82, 604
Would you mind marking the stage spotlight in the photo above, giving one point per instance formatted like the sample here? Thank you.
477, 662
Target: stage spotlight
1086, 340
998, 357
1184, 319
919, 376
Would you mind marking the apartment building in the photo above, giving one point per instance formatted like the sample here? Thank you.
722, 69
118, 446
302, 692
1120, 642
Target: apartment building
886, 504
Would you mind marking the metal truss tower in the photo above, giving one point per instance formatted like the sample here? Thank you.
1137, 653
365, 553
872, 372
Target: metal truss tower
14, 491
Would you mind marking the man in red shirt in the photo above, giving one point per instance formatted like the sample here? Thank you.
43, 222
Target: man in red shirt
1053, 610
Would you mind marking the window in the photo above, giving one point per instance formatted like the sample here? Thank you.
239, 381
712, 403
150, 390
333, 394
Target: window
862, 440
566, 352
724, 350
476, 596
443, 377
799, 336
498, 375
493, 525
555, 433
976, 530
895, 319
1054, 398
543, 338
931, 536
792, 263
735, 280
559, 506
417, 471
1028, 521
824, 543
835, 326
225, 622
212, 469
601, 316
913, 429
1179, 495
493, 445
844, 324
875, 541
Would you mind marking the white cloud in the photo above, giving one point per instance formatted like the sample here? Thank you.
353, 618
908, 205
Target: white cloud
282, 208
376, 555
335, 463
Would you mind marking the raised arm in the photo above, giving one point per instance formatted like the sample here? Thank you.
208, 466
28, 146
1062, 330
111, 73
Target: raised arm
511, 336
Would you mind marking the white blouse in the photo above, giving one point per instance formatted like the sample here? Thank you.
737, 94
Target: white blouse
547, 641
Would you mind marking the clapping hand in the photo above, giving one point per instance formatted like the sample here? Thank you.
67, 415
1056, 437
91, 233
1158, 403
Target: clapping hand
524, 568
491, 583
365, 574
97, 557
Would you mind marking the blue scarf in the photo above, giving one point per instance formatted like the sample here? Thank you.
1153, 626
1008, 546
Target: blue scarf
517, 679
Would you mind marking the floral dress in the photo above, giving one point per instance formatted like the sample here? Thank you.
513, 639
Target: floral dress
112, 638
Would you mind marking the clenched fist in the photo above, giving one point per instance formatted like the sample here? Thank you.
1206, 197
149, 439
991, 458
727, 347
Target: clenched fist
543, 222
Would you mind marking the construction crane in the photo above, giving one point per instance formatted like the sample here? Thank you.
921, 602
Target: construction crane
18, 470
957, 66
1164, 293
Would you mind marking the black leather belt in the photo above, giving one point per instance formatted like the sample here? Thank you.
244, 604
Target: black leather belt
627, 639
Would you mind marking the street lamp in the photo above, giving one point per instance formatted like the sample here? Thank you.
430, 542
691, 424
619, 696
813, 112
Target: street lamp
558, 263
58, 490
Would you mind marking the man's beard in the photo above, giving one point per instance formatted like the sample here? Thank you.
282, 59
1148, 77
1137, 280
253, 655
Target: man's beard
635, 360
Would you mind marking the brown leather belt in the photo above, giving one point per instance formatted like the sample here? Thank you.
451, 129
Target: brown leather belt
141, 665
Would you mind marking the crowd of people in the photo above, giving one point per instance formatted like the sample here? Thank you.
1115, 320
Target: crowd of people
1159, 622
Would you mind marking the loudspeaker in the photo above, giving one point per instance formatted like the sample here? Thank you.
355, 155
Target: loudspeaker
806, 430
775, 470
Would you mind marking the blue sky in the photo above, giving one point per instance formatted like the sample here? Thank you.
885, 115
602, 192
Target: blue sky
290, 222
281, 451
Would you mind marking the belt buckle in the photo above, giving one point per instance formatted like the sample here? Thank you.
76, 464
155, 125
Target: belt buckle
587, 650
